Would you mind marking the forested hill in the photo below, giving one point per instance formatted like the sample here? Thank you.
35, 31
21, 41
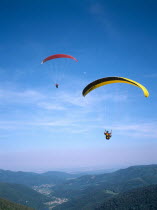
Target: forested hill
69, 192
143, 198
88, 192
121, 180
23, 195
30, 178
7, 205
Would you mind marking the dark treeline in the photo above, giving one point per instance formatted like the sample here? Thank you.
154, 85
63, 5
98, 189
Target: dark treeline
7, 205
144, 198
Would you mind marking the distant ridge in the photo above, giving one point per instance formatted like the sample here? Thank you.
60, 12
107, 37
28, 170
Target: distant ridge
31, 178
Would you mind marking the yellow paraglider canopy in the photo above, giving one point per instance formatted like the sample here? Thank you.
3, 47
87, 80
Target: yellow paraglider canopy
109, 80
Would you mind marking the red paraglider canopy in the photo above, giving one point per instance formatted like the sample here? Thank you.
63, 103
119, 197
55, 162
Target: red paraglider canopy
58, 56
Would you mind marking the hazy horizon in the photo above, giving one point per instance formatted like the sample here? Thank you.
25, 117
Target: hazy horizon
80, 169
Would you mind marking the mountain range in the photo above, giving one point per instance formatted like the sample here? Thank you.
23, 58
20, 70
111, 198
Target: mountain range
64, 191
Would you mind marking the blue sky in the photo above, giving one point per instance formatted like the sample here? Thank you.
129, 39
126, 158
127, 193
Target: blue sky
44, 128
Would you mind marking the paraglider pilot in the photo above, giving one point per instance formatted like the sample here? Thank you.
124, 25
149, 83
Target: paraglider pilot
108, 135
56, 85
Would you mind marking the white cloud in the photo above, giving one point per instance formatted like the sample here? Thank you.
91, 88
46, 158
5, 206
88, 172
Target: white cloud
138, 129
20, 96
51, 106
154, 75
63, 111
98, 10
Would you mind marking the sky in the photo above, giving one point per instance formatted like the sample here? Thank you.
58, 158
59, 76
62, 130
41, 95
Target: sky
44, 128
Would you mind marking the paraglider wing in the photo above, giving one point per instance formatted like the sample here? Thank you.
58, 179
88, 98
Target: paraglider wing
58, 56
109, 80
